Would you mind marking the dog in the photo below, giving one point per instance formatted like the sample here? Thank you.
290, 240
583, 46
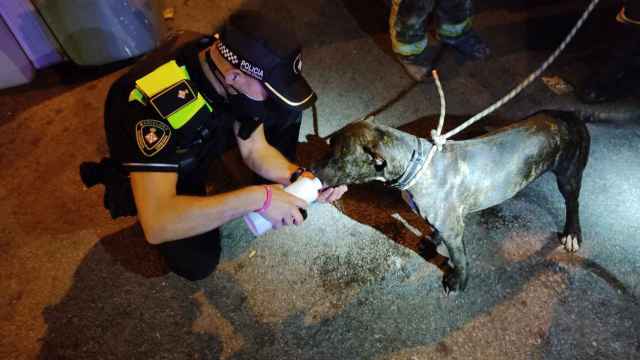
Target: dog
465, 176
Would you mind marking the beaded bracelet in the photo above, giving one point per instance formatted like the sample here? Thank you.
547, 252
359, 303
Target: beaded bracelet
267, 199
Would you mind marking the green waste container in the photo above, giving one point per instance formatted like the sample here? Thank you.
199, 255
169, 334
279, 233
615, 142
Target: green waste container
97, 32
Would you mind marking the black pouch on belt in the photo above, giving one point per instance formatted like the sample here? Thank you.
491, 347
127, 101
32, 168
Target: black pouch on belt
118, 197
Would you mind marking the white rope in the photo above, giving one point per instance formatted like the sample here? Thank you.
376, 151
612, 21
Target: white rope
435, 134
440, 140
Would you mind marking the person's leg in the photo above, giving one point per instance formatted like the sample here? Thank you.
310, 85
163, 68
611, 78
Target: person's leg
455, 17
409, 41
193, 258
407, 23
196, 257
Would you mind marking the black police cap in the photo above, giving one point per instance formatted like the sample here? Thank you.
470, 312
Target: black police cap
269, 52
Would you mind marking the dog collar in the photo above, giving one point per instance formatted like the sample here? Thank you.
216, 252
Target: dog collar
414, 169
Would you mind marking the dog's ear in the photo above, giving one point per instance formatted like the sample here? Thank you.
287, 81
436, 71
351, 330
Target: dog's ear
379, 162
369, 119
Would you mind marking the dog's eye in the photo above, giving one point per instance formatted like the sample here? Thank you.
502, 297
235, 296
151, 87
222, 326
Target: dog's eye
368, 151
378, 162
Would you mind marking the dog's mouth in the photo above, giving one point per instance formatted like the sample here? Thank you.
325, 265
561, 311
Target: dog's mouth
329, 181
334, 173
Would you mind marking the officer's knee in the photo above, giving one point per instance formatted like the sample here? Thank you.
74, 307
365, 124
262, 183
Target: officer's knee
195, 272
193, 258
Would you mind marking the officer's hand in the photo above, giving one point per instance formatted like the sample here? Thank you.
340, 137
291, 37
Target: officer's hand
284, 209
328, 194
331, 194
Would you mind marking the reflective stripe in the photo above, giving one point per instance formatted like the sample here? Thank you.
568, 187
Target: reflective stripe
161, 78
136, 95
408, 49
287, 101
397, 46
151, 165
454, 30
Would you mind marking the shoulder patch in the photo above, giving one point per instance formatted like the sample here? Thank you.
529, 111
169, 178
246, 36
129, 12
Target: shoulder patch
152, 136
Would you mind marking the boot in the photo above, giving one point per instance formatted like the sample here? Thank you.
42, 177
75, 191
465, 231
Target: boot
469, 44
419, 66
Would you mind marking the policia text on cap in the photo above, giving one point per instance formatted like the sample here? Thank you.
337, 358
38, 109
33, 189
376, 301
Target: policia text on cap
188, 102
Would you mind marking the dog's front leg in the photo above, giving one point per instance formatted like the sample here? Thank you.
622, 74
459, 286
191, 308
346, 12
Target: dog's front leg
450, 229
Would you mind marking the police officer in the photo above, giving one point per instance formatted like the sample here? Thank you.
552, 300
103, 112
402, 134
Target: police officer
186, 103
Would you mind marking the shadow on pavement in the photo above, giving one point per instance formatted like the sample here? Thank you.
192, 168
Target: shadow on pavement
119, 309
123, 304
129, 249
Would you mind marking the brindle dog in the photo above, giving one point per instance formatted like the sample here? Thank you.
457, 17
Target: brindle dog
466, 176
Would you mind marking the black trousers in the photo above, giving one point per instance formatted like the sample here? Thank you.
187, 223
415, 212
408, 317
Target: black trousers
196, 257
408, 18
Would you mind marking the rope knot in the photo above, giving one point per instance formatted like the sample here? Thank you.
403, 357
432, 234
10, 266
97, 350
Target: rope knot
438, 140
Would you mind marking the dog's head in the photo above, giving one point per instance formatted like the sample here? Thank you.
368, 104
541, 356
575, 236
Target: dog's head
362, 152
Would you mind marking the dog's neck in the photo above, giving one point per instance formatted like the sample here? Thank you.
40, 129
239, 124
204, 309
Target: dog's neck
414, 165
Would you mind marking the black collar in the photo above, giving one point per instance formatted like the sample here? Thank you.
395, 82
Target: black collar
416, 163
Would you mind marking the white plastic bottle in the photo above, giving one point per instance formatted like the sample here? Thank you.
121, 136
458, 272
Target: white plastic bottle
304, 188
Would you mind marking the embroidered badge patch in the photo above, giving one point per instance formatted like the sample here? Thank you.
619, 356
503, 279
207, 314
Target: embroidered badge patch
152, 136
173, 99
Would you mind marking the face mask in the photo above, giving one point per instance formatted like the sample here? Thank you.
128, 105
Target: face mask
267, 111
251, 113
244, 108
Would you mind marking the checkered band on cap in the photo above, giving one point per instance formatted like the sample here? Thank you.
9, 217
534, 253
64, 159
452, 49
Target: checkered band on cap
228, 54
253, 70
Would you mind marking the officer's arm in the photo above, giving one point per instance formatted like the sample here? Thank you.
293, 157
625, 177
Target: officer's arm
264, 159
269, 163
166, 216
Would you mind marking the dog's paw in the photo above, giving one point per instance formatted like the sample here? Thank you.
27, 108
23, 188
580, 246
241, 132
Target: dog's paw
571, 242
452, 282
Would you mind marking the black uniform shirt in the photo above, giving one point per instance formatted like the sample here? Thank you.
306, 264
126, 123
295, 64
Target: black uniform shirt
141, 140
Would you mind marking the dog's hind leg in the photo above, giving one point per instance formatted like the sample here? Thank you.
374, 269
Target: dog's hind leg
571, 237
569, 176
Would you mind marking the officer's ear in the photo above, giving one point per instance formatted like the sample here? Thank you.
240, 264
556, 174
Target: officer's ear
233, 77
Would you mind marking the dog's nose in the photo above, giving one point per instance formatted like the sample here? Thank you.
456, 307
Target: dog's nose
319, 165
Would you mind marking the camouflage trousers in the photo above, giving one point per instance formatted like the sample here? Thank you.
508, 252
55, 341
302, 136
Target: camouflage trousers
408, 19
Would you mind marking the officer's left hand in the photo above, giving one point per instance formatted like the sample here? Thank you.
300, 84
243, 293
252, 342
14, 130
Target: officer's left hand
331, 194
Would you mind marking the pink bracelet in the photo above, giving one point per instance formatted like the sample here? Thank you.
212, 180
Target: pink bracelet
267, 199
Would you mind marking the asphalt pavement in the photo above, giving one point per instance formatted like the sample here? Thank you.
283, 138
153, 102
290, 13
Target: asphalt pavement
347, 284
